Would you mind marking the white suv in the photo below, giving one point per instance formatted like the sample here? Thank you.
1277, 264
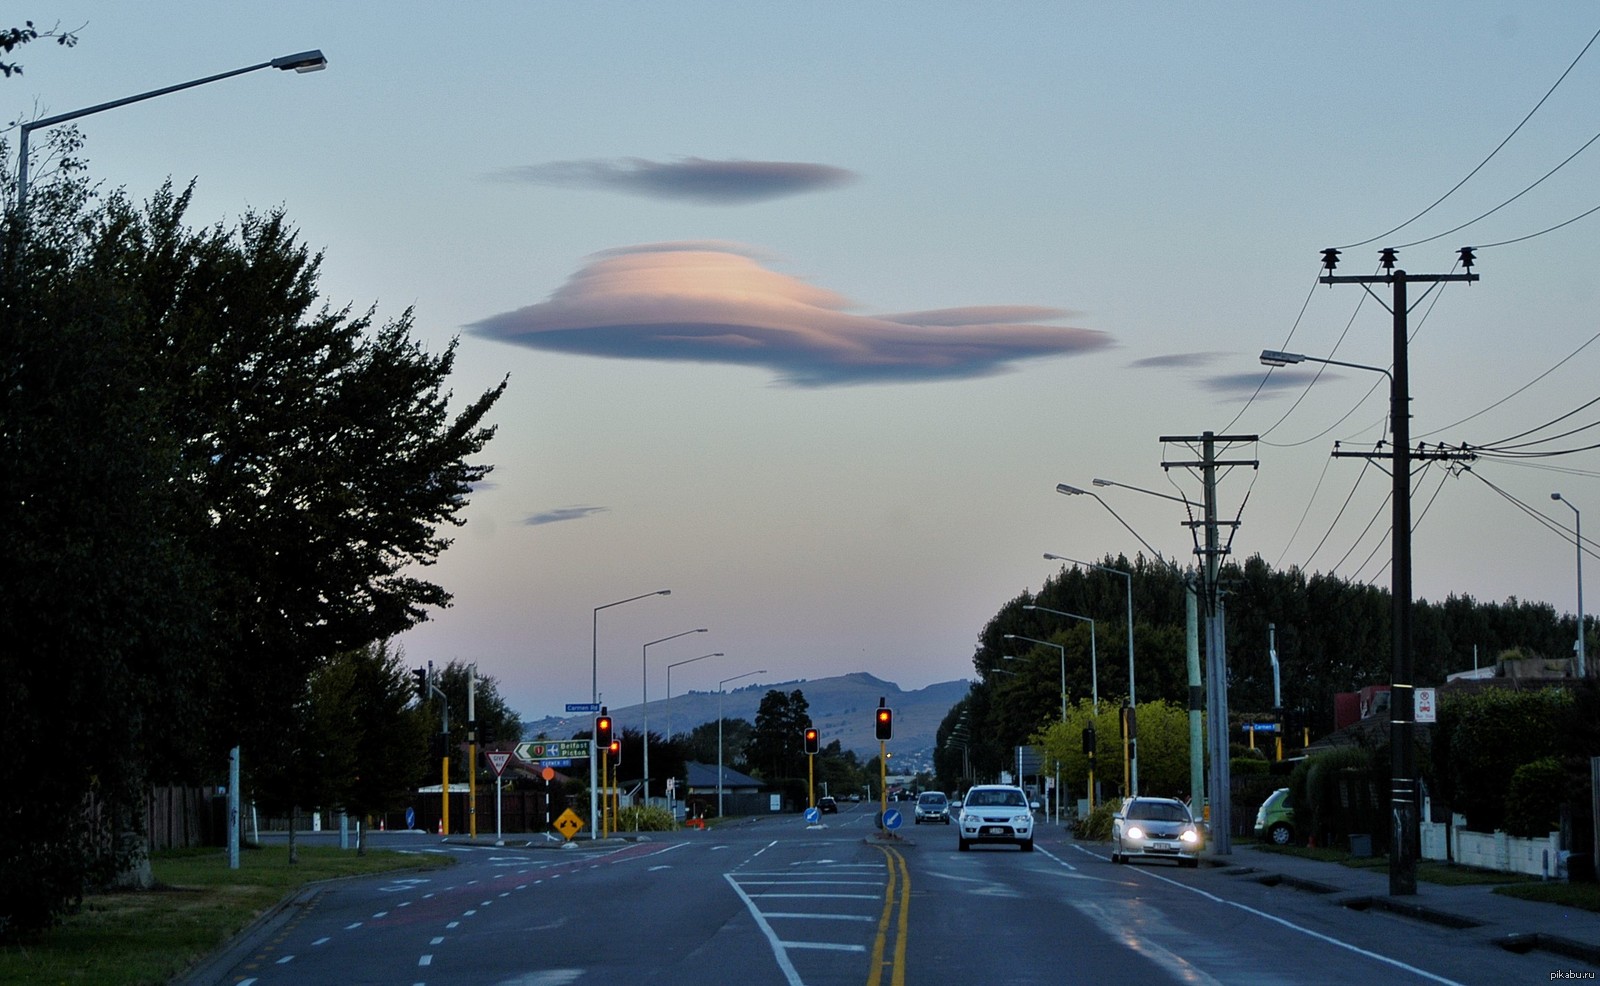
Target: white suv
995, 813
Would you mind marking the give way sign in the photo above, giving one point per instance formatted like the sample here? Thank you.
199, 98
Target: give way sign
498, 761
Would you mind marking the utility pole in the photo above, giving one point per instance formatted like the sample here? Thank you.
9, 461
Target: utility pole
1219, 791
1405, 838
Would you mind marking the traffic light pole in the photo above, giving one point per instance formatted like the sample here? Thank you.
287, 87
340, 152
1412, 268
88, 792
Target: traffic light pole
1405, 832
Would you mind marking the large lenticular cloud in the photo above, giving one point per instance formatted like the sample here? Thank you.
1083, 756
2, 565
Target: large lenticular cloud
706, 303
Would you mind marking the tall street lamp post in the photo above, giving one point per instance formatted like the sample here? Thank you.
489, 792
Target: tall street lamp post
644, 707
1063, 650
1577, 539
719, 731
691, 660
305, 61
594, 699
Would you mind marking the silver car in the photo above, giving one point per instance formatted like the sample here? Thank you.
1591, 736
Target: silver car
993, 813
932, 807
1155, 828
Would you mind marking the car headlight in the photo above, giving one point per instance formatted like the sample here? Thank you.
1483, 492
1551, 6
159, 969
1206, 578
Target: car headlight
1135, 832
1190, 836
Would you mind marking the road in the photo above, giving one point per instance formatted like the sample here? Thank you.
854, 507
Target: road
773, 901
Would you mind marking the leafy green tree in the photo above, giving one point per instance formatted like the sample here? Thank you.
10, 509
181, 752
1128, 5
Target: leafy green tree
700, 743
777, 746
212, 483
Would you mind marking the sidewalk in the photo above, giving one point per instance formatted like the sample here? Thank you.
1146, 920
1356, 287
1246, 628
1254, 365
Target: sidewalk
1476, 910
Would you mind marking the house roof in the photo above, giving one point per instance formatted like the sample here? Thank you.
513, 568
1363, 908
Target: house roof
704, 775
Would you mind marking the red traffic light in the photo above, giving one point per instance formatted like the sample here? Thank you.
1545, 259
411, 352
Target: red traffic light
615, 749
602, 731
813, 739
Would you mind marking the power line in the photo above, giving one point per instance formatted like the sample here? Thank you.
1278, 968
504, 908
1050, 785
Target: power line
1486, 160
1520, 389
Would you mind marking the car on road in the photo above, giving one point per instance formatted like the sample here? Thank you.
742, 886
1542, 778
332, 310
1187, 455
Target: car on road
827, 806
1155, 828
933, 806
995, 813
1275, 818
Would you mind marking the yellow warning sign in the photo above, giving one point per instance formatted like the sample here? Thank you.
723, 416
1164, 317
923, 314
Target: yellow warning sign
568, 824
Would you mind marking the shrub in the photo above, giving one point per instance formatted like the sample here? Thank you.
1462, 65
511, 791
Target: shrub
1096, 826
1533, 800
1335, 793
645, 819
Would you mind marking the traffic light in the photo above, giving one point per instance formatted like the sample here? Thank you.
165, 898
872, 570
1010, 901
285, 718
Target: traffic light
885, 722
602, 730
420, 676
615, 749
812, 740
1088, 740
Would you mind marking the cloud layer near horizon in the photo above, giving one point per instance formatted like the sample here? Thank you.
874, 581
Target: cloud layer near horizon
693, 179
707, 303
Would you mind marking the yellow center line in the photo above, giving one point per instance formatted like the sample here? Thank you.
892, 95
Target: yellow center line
899, 881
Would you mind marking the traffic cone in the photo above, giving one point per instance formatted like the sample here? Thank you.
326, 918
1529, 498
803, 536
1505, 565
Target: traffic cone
441, 826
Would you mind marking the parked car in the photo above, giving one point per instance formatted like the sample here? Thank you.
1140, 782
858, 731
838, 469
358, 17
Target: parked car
1155, 828
827, 806
1275, 818
995, 813
933, 806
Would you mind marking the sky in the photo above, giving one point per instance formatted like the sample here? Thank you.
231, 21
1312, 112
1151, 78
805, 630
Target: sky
806, 309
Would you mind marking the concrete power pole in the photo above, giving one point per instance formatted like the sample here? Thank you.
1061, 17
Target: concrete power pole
1405, 836
1219, 790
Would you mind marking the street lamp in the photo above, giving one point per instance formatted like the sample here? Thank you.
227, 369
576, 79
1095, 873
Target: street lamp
594, 700
305, 61
1128, 576
1577, 539
719, 731
1063, 650
691, 660
1077, 491
1272, 357
644, 707
1094, 663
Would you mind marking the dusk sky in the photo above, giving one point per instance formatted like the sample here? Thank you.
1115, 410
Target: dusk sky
807, 308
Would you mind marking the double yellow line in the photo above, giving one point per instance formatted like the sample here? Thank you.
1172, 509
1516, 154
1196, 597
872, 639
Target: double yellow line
899, 887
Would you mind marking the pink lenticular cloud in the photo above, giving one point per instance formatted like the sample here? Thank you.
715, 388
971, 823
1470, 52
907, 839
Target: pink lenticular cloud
715, 303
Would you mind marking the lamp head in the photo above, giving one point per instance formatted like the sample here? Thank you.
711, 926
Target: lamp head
303, 61
1273, 357
1069, 490
1555, 496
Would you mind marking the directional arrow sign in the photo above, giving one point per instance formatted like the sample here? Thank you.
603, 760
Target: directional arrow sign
553, 750
813, 815
892, 819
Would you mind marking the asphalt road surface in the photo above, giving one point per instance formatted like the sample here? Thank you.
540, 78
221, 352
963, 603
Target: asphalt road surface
774, 901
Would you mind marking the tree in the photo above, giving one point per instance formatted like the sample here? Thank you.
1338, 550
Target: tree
12, 38
211, 485
777, 747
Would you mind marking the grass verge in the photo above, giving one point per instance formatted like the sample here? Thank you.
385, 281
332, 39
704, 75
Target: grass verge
134, 938
1428, 870
1585, 896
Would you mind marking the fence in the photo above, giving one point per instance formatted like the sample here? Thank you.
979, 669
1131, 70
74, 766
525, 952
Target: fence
1491, 850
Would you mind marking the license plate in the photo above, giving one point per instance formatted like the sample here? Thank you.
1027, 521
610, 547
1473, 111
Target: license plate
996, 830
1163, 846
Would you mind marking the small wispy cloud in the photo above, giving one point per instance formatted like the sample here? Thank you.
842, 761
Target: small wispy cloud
712, 303
1182, 361
1249, 383
693, 179
560, 514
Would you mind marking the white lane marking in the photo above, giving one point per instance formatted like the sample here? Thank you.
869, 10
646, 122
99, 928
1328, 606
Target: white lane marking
1056, 858
825, 946
1295, 927
352, 927
437, 941
380, 914
468, 913
778, 951
425, 960
766, 896
820, 917
808, 883
286, 960
322, 941
452, 925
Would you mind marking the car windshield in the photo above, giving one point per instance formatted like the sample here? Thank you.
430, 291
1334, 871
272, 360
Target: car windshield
932, 799
1158, 811
995, 799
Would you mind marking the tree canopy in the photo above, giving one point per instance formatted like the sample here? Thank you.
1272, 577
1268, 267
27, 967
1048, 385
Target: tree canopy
212, 484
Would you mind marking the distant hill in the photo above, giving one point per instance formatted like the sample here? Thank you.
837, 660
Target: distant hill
841, 707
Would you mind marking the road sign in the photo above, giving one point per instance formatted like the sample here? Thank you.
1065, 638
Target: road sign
498, 761
553, 750
568, 824
892, 819
583, 706
1427, 707
813, 815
